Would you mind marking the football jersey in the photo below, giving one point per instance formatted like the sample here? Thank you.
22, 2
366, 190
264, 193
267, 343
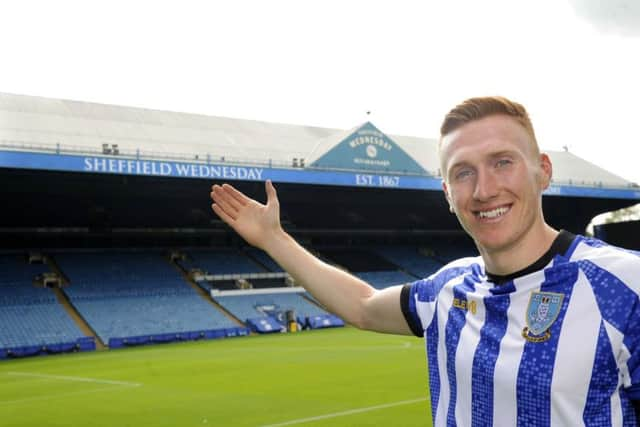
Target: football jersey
557, 344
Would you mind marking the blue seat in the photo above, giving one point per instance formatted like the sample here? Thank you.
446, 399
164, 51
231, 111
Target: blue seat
127, 294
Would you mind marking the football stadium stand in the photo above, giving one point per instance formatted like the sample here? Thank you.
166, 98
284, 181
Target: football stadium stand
383, 279
355, 259
56, 125
268, 304
411, 259
160, 163
32, 320
230, 269
223, 262
137, 295
263, 259
124, 217
448, 251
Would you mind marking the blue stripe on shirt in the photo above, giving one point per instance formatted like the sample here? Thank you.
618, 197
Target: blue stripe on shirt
486, 355
620, 306
538, 358
432, 368
427, 290
455, 322
604, 381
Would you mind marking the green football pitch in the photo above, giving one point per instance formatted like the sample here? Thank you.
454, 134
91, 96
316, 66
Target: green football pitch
335, 377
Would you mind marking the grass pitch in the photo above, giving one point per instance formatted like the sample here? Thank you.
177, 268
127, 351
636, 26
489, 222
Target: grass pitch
337, 377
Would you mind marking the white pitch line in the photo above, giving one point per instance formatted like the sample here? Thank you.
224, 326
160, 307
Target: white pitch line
68, 378
343, 413
57, 395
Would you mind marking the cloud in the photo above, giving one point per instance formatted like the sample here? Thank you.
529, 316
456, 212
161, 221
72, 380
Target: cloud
621, 17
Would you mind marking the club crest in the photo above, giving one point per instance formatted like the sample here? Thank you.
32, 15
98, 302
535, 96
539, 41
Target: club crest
542, 311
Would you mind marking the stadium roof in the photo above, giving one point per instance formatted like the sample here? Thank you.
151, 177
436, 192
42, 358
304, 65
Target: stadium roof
36, 124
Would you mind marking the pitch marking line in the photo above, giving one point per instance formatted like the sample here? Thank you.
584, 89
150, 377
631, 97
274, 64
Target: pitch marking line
68, 378
349, 412
58, 395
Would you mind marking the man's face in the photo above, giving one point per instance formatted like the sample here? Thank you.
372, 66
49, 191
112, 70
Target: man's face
493, 179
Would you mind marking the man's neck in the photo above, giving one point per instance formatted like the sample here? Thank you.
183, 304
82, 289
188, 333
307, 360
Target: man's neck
522, 253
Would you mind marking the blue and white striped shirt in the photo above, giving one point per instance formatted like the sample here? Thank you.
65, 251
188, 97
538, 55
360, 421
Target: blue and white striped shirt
557, 345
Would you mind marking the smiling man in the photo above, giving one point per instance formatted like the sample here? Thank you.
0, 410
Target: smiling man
542, 329
494, 178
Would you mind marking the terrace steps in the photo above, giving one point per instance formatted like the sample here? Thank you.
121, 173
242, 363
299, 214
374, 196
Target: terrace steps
203, 294
73, 313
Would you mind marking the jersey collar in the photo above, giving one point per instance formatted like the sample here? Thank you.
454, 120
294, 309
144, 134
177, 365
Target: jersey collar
560, 246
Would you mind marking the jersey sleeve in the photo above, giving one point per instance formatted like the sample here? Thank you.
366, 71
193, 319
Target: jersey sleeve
417, 301
632, 340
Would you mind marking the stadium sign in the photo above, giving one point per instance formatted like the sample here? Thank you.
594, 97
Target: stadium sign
155, 168
368, 149
217, 171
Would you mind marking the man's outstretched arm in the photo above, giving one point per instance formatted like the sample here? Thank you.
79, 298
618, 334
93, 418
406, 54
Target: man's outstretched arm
343, 294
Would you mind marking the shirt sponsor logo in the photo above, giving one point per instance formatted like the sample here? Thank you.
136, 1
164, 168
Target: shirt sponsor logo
465, 305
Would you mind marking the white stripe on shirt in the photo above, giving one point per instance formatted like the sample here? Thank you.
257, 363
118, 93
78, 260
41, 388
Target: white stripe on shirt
575, 355
469, 340
505, 376
445, 302
616, 338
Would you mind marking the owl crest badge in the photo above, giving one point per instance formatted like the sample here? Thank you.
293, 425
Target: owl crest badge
543, 309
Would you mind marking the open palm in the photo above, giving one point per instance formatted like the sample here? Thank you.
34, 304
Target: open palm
254, 221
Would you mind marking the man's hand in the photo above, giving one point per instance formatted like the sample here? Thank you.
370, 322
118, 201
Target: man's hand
255, 222
343, 294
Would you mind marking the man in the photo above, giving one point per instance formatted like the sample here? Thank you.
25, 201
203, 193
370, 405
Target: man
542, 329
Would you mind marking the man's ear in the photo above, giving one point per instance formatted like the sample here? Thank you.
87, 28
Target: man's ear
547, 170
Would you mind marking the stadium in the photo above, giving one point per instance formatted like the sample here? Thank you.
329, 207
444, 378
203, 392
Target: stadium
110, 248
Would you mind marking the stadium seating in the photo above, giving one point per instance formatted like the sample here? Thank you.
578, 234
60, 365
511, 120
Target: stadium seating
223, 262
106, 274
137, 296
383, 279
119, 317
14, 269
356, 259
221, 269
410, 259
36, 324
30, 316
449, 251
132, 294
263, 259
